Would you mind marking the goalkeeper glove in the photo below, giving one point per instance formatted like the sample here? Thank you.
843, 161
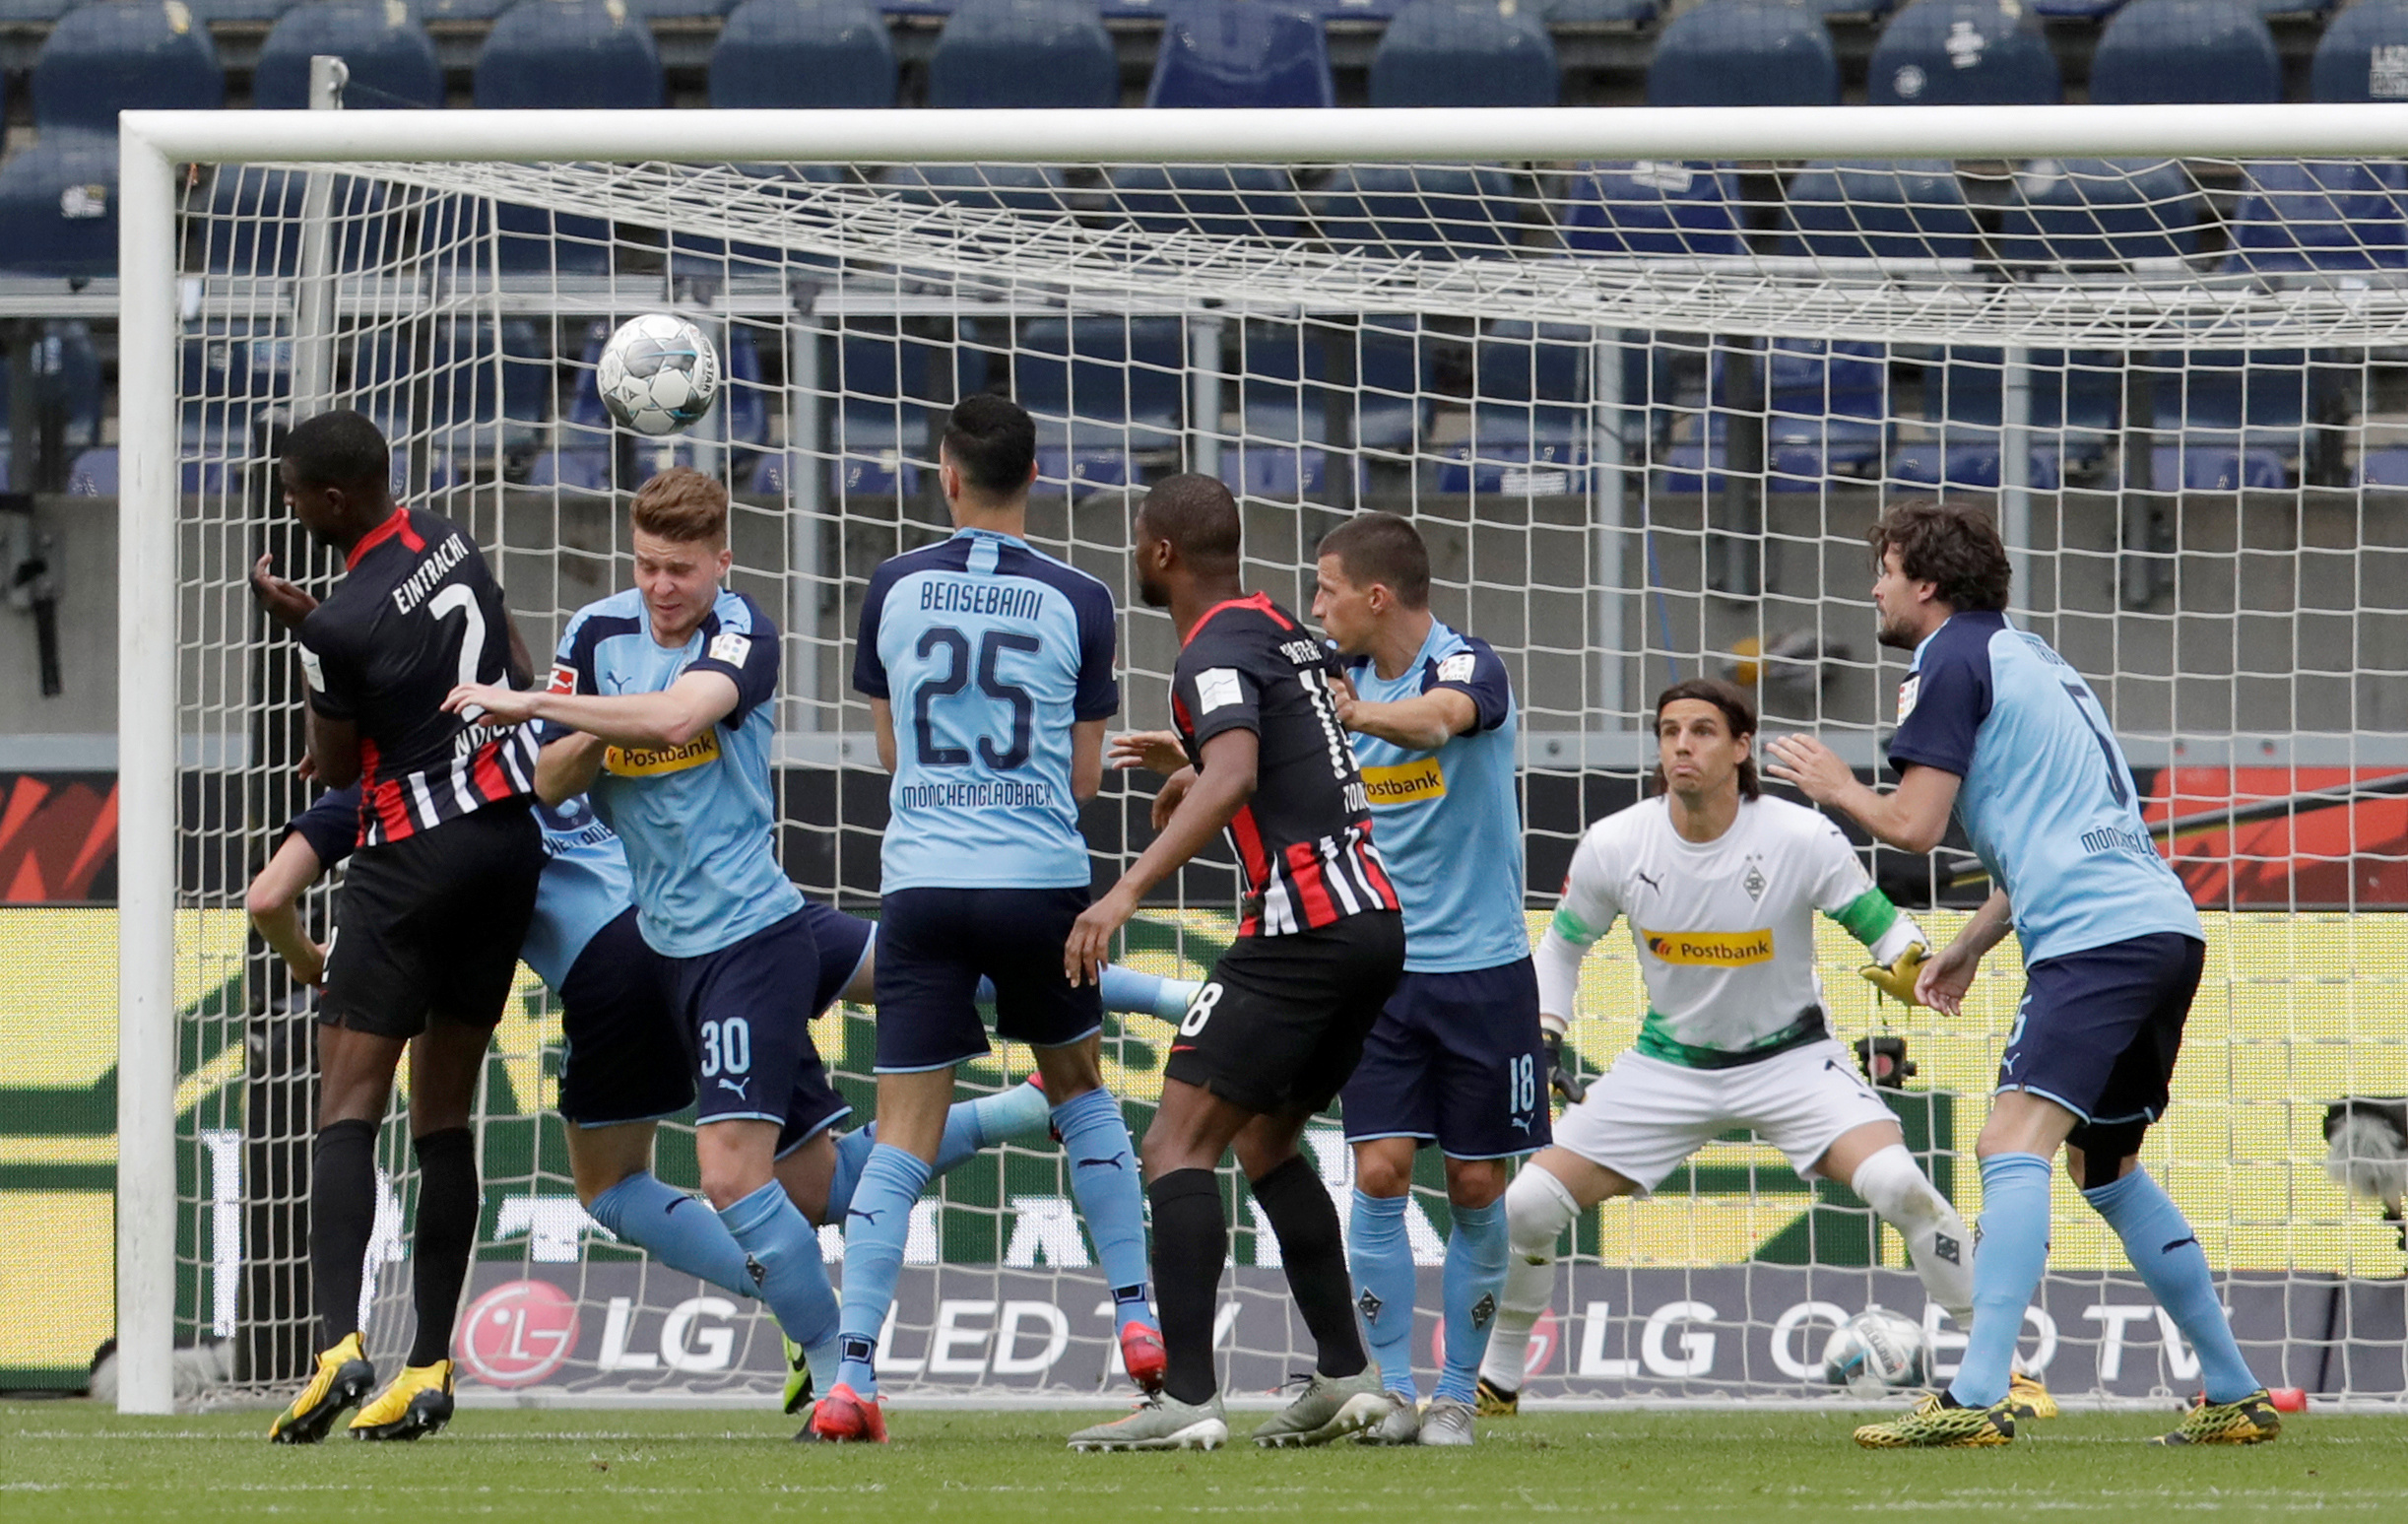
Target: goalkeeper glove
1565, 1082
1895, 978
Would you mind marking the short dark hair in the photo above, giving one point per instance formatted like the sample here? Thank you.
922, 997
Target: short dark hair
342, 448
992, 441
1198, 515
1947, 544
1386, 549
1737, 712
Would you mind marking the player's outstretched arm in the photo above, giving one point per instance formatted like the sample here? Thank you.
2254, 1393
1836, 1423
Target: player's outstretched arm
1222, 786
568, 767
1423, 723
677, 714
1912, 818
1950, 973
274, 901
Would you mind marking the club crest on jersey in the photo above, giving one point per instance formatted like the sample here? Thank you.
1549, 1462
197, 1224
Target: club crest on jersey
1711, 948
1754, 882
638, 762
563, 678
1908, 693
1405, 783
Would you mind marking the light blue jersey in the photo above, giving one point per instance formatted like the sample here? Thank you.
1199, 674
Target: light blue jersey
698, 820
2047, 800
1447, 821
989, 652
585, 887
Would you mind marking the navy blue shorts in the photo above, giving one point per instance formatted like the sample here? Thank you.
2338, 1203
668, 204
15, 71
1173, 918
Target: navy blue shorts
745, 1015
2099, 1030
934, 944
1455, 1059
623, 1057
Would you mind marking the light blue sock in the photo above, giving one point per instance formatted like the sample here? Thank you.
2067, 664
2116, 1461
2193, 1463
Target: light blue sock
1016, 1111
2011, 1251
1476, 1251
1111, 1199
2158, 1240
784, 1250
675, 1228
875, 1224
1382, 1258
1127, 989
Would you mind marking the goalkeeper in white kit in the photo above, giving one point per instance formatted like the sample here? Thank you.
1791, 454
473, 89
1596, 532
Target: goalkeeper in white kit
1720, 887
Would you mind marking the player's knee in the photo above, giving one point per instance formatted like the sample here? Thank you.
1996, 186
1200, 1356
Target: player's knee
1474, 1183
1537, 1209
1894, 1187
1378, 1173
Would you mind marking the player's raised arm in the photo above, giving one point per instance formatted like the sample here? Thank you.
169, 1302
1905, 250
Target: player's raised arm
1912, 818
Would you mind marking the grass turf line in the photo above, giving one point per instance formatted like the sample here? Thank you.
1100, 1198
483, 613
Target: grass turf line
65, 1462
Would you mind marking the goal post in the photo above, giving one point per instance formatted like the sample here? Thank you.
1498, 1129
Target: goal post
1648, 446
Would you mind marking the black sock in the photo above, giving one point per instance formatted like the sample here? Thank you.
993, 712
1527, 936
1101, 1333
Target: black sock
1314, 1249
443, 1237
1191, 1243
341, 1215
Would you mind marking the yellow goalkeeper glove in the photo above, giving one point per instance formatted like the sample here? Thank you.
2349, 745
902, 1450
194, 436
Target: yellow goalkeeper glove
1895, 978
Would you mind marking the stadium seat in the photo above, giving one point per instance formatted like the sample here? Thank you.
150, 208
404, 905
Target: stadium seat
1974, 464
2363, 55
1831, 400
1234, 201
825, 55
560, 55
34, 13
1530, 387
2100, 212
1554, 469
58, 199
210, 12
390, 58
1240, 53
486, 10
1744, 52
661, 10
2203, 466
2384, 467
576, 469
1453, 53
1597, 13
981, 188
2212, 52
1393, 372
1963, 53
1654, 208
2077, 10
1025, 54
232, 372
2260, 399
1423, 210
1102, 383
256, 222
1283, 382
2319, 216
1910, 208
2076, 400
1828, 8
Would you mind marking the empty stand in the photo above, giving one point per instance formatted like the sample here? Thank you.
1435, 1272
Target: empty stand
1025, 54
1241, 53
2186, 50
391, 59
820, 55
1964, 52
1453, 53
2098, 211
1911, 209
2319, 217
1654, 208
2363, 55
1744, 52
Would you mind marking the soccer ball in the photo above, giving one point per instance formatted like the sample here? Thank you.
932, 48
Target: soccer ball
658, 374
1876, 1350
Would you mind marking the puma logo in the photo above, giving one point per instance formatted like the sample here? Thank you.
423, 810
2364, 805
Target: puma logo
864, 1214
738, 1086
2175, 1244
1644, 878
1116, 1162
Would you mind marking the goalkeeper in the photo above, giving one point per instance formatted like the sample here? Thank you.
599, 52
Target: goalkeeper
1720, 887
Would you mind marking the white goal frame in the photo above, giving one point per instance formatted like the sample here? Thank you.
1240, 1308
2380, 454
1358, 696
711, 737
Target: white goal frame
153, 145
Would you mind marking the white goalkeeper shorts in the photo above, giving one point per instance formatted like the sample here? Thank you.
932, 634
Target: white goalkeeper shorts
1644, 1118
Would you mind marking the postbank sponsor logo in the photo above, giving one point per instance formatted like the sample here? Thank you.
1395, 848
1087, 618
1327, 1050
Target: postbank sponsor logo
631, 761
1711, 948
1405, 783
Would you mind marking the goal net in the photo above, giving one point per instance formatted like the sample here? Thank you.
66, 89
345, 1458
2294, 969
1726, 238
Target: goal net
1642, 408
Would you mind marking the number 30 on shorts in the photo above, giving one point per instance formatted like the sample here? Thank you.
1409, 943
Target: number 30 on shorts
1199, 1010
727, 1045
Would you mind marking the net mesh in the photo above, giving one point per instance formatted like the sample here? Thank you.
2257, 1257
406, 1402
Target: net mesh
1642, 413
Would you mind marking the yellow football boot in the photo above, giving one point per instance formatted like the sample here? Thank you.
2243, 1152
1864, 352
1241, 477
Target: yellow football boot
416, 1405
343, 1377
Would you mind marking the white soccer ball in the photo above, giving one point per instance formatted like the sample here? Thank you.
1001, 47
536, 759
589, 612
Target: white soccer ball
1876, 1352
658, 374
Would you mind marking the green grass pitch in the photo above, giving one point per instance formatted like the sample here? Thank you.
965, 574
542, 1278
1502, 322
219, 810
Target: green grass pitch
62, 1462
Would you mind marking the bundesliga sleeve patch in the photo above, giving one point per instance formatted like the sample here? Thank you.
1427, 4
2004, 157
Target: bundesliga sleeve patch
731, 647
563, 678
1216, 687
1907, 691
311, 669
1457, 668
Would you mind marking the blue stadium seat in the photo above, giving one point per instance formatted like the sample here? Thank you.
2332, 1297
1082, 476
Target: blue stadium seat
461, 9
2082, 9
1974, 464
1964, 52
585, 469
2384, 467
1829, 399
2212, 52
2319, 216
1597, 13
58, 199
1406, 210
1654, 208
1283, 383
2076, 400
1744, 52
206, 12
2100, 212
1393, 371
1252, 201
391, 59
1827, 9
234, 371
1102, 383
39, 13
2206, 466
1529, 386
1240, 53
2257, 399
825, 56
661, 10
2363, 55
1911, 209
981, 188
560, 55
1451, 53
1023, 53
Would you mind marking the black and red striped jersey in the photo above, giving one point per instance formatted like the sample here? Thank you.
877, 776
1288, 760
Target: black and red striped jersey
417, 613
1304, 839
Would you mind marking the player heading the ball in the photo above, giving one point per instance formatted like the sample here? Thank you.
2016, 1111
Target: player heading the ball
1271, 1038
1719, 886
987, 666
1997, 727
